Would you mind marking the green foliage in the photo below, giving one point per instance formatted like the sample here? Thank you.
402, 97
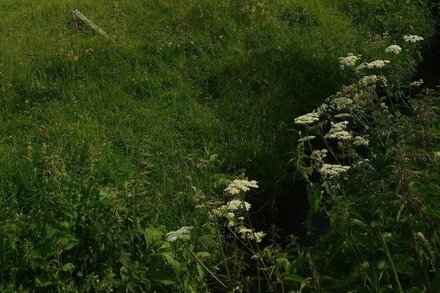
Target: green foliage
106, 146
384, 211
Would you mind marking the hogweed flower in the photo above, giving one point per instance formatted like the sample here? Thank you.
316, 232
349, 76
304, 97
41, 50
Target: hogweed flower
329, 171
417, 83
338, 131
237, 186
232, 219
322, 109
307, 118
183, 233
232, 211
372, 80
341, 103
361, 67
339, 126
361, 141
412, 38
394, 49
377, 64
341, 135
349, 61
250, 234
369, 80
231, 207
318, 157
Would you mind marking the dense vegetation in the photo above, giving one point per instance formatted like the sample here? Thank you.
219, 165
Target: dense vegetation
108, 145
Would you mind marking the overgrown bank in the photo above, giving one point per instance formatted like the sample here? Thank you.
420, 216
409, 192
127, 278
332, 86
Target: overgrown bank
105, 147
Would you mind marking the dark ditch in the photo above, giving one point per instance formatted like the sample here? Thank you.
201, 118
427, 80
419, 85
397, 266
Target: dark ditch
429, 68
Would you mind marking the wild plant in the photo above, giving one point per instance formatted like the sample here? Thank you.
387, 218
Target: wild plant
370, 158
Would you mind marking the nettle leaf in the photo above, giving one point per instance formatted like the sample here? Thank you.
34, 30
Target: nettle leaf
177, 266
163, 277
221, 180
203, 254
68, 267
153, 236
201, 271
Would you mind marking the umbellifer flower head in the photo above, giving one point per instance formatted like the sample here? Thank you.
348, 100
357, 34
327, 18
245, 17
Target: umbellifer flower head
318, 157
377, 64
369, 80
341, 103
232, 211
329, 171
250, 234
232, 206
338, 131
307, 118
412, 38
394, 49
361, 141
237, 186
417, 83
349, 61
183, 233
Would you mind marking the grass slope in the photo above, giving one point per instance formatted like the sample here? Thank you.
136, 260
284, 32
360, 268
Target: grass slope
100, 139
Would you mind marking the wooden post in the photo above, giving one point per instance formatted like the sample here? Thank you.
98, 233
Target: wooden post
78, 15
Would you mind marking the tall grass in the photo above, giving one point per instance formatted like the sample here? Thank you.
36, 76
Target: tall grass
103, 140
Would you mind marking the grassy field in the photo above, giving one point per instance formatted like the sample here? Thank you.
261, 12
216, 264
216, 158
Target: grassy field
101, 140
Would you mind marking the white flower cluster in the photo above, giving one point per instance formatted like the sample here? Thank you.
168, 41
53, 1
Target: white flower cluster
373, 80
237, 186
394, 49
412, 38
183, 233
361, 67
417, 83
250, 234
307, 118
377, 64
322, 109
329, 171
369, 80
349, 61
344, 107
338, 131
318, 157
436, 155
232, 206
341, 103
361, 141
233, 212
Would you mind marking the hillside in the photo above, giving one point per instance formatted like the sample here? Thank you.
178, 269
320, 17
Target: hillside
102, 140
